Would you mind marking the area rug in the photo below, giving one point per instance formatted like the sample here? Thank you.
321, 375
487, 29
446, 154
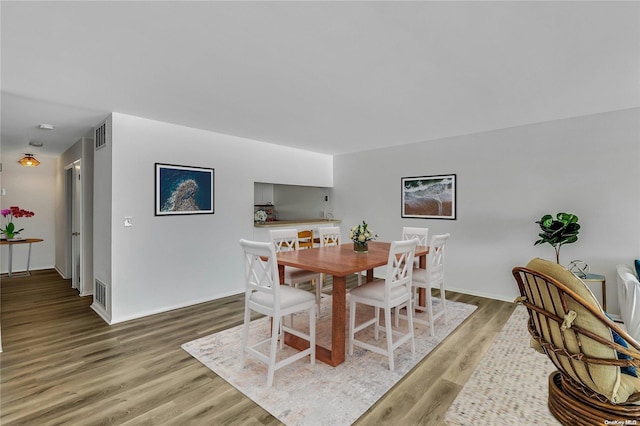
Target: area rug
509, 386
319, 395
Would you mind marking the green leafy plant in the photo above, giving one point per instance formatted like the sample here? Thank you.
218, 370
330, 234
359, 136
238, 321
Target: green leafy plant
360, 234
559, 231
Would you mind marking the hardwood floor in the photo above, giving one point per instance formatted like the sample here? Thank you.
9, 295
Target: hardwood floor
63, 365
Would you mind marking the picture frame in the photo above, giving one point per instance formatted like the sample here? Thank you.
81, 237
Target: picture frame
429, 197
183, 190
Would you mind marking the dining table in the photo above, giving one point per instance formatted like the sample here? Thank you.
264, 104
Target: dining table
339, 262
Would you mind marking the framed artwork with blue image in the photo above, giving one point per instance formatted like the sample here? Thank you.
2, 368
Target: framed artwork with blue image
183, 190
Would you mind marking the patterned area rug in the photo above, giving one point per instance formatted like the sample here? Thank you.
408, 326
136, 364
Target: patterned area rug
319, 395
510, 384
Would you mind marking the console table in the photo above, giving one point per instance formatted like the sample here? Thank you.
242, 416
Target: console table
595, 278
19, 242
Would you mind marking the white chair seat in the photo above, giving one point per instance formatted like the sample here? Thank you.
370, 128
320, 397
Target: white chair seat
374, 290
289, 296
287, 240
419, 275
297, 275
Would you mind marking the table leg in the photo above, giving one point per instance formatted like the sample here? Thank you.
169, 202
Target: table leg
281, 273
422, 292
28, 259
336, 354
338, 320
369, 275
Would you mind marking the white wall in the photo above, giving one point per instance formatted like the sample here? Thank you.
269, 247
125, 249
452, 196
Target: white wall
302, 202
507, 179
167, 262
30, 188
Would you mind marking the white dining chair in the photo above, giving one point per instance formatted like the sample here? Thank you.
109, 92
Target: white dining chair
330, 236
287, 240
264, 294
394, 290
432, 276
421, 234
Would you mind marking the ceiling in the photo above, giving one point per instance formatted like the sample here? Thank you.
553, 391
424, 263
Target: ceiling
330, 77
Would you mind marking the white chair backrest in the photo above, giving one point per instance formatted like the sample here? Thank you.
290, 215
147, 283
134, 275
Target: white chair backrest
284, 239
422, 234
261, 268
329, 236
400, 269
435, 258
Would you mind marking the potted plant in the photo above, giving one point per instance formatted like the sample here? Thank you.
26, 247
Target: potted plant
559, 231
361, 235
9, 231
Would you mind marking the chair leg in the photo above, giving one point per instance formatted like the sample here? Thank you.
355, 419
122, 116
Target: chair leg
376, 326
410, 324
387, 325
245, 335
312, 335
352, 325
273, 349
318, 297
432, 329
397, 316
444, 303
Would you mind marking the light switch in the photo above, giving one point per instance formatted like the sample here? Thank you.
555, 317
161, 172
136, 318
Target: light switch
128, 221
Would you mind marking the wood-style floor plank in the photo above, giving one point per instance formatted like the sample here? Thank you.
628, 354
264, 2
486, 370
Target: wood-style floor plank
62, 365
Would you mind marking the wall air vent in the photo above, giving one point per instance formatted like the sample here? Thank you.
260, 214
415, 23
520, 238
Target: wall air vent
101, 295
101, 136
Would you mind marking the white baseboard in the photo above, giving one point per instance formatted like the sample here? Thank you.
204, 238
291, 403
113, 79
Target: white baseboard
101, 313
61, 273
173, 307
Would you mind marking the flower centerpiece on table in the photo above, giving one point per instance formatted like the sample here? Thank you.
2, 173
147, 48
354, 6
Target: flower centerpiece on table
9, 231
260, 216
361, 235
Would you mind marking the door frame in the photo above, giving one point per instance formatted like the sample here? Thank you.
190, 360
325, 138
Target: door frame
73, 186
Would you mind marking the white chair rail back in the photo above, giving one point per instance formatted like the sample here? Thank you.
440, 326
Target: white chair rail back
400, 269
261, 269
421, 234
435, 259
329, 236
284, 239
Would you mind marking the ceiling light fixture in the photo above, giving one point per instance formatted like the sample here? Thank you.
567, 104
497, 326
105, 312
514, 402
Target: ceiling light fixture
36, 143
47, 126
29, 161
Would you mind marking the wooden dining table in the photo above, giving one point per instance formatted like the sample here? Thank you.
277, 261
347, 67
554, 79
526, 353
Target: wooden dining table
338, 261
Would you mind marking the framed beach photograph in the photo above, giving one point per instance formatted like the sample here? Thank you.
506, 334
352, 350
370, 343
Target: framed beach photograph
429, 197
183, 190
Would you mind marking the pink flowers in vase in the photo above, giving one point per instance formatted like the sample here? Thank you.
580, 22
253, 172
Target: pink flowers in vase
12, 212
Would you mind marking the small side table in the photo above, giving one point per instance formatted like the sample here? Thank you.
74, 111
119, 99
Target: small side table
11, 244
595, 278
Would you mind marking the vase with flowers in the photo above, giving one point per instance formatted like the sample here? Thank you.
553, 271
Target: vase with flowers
361, 235
9, 231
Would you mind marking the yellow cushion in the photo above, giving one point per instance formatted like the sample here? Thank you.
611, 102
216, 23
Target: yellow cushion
603, 379
629, 389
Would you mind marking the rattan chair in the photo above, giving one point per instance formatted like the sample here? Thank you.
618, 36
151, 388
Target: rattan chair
567, 324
